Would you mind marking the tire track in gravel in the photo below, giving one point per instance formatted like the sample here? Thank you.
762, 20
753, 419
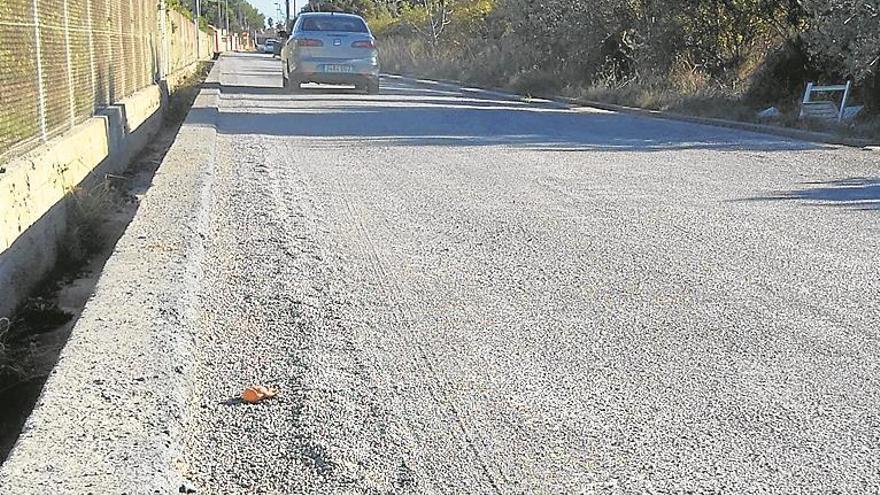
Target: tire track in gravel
274, 322
414, 471
387, 449
226, 445
368, 198
404, 313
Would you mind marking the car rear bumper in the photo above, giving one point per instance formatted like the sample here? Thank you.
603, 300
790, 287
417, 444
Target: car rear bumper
319, 78
317, 70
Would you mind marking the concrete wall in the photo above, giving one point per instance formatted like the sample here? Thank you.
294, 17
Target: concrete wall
34, 187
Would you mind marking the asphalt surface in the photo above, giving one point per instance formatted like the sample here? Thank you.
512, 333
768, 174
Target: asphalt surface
457, 292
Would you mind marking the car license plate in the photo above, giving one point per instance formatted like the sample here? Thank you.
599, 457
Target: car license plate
337, 68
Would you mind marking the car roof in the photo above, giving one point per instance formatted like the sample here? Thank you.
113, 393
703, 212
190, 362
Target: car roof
329, 14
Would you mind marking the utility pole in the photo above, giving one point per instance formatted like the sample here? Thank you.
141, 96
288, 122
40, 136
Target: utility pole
219, 26
287, 14
228, 37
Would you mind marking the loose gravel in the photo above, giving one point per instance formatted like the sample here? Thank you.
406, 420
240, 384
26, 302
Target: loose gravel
457, 293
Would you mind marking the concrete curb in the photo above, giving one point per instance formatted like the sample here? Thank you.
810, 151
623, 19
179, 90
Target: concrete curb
111, 415
799, 134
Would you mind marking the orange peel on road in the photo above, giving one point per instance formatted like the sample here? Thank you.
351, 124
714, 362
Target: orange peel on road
257, 393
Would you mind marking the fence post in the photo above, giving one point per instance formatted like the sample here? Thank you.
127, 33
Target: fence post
120, 85
131, 65
843, 102
40, 90
71, 93
163, 35
142, 44
91, 42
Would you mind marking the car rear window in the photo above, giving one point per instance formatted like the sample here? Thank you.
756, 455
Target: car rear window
330, 23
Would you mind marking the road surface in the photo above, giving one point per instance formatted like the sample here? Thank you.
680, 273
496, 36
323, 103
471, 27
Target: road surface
457, 292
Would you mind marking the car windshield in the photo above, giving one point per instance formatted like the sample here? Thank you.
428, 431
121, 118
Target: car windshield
331, 23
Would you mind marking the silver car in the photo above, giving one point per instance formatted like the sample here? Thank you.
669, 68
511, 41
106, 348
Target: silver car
332, 48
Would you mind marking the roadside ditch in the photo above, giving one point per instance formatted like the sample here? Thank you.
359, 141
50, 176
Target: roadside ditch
32, 339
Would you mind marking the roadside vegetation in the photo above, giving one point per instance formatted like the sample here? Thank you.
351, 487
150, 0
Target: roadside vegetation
728, 58
241, 14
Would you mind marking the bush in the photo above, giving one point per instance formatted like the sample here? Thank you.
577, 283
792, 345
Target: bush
87, 211
535, 82
655, 54
782, 76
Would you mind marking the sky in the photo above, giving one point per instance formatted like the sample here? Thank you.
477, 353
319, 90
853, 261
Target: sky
267, 7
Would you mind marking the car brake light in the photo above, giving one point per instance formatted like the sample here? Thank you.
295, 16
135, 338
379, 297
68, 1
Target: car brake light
363, 44
309, 42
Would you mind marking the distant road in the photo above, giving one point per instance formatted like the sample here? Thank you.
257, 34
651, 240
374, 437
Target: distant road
461, 293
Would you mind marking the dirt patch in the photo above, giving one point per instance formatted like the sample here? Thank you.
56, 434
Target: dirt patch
32, 340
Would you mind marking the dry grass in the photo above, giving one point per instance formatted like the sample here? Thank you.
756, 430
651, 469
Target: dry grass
703, 104
683, 90
8, 366
180, 101
88, 208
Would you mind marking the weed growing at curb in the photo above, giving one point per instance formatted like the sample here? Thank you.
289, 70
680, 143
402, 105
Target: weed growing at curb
7, 364
180, 101
88, 207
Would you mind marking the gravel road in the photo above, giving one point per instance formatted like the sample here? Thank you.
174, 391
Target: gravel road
461, 293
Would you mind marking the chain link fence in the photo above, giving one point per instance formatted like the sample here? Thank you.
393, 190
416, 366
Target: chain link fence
63, 60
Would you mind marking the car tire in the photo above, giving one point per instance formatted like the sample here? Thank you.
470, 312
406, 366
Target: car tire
293, 85
373, 87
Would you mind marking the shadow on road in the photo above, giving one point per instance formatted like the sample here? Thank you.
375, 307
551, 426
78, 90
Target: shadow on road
405, 115
858, 193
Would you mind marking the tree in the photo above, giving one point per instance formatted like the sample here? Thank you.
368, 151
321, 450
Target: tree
845, 37
688, 46
429, 17
360, 7
241, 14
846, 34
